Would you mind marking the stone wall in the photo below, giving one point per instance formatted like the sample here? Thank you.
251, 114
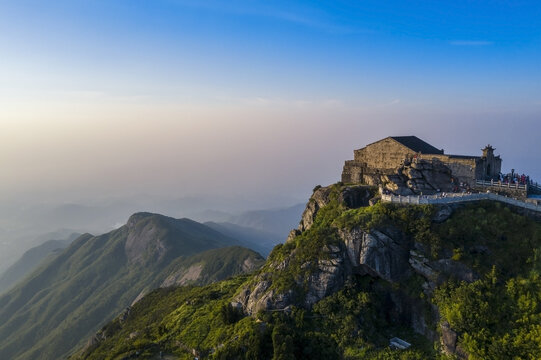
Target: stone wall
384, 155
462, 168
352, 173
489, 167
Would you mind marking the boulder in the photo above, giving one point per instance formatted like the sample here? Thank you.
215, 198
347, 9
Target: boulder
448, 338
422, 176
443, 213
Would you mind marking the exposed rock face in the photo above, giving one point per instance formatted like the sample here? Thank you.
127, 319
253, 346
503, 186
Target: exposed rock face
249, 265
184, 276
351, 196
443, 213
422, 176
329, 275
448, 338
421, 266
435, 272
142, 235
379, 253
449, 342
319, 199
261, 298
376, 253
293, 234
385, 253
355, 196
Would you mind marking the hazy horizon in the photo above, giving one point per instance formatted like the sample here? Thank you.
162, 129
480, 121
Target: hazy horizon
249, 103
177, 98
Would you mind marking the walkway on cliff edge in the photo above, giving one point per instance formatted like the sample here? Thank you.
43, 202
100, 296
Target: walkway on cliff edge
456, 198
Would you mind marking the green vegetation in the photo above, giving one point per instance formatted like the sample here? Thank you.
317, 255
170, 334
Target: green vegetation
31, 259
183, 321
489, 234
308, 246
217, 264
61, 304
354, 323
496, 317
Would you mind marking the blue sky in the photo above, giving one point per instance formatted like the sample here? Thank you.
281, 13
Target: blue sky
247, 75
352, 49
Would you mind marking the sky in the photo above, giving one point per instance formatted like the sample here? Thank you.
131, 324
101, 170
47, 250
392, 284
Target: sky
254, 99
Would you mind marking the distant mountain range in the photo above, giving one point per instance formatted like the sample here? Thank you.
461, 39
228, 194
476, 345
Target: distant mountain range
61, 303
23, 226
275, 221
357, 280
31, 259
258, 240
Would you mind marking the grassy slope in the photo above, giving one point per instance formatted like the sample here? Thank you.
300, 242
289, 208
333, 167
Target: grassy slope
63, 302
353, 323
218, 264
31, 259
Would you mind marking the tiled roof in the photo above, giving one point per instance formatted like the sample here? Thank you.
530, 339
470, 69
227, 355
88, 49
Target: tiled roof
417, 145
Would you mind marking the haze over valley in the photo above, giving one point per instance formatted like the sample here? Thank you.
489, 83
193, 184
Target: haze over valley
240, 179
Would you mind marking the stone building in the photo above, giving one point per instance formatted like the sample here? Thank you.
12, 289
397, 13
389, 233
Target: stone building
386, 156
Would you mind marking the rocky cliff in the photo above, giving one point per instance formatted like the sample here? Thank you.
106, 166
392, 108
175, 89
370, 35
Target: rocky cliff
460, 280
385, 252
95, 277
417, 177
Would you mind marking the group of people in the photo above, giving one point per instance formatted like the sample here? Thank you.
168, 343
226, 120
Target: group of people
515, 178
459, 186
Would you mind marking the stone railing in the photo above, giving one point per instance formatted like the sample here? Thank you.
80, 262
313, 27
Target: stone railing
457, 198
499, 184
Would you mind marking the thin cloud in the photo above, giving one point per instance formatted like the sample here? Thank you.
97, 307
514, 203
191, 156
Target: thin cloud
326, 26
471, 43
318, 21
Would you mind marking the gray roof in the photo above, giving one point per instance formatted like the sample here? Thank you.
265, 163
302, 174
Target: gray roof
417, 145
463, 157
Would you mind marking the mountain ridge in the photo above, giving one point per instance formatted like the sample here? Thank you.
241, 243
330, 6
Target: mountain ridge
32, 259
67, 298
355, 274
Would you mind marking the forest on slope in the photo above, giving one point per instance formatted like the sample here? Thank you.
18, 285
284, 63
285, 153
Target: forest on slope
454, 282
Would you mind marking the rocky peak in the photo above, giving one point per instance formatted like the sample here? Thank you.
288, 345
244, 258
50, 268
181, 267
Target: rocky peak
319, 199
379, 253
144, 238
385, 253
135, 218
351, 197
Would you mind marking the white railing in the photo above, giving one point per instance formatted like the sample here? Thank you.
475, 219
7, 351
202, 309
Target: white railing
456, 198
499, 184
